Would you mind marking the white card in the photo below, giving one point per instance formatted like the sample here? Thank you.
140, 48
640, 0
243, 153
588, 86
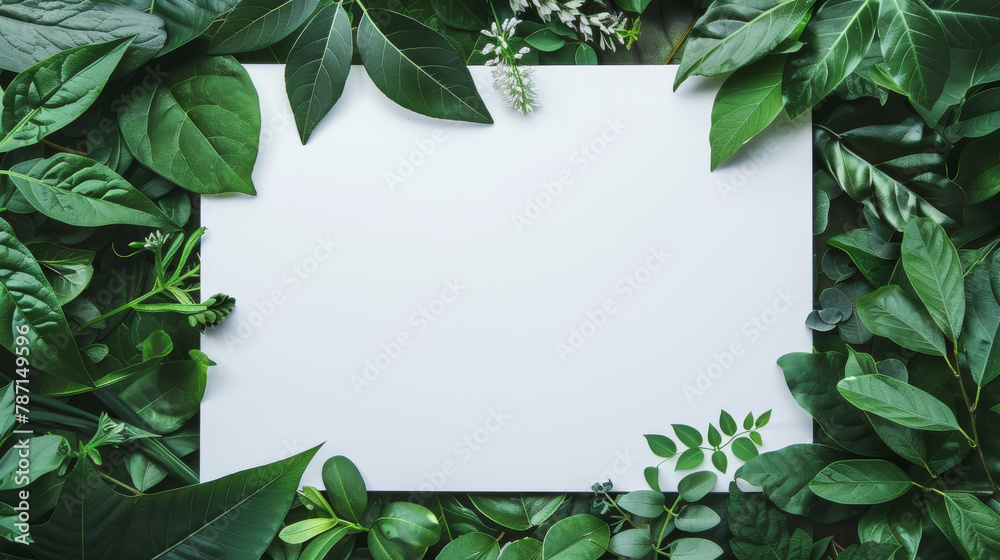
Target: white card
461, 307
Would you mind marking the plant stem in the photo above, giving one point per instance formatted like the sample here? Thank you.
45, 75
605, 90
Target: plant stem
55, 146
134, 491
677, 47
971, 406
124, 307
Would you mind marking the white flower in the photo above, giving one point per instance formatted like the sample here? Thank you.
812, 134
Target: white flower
510, 79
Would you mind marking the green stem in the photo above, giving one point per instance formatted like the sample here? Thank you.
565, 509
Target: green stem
121, 308
971, 406
622, 512
134, 491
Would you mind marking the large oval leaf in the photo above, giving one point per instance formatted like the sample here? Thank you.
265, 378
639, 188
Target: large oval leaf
417, 68
898, 401
79, 191
186, 20
976, 526
473, 546
68, 271
27, 299
834, 42
255, 24
232, 518
519, 513
346, 488
734, 33
981, 327
32, 30
169, 396
915, 49
932, 266
199, 127
317, 67
54, 92
861, 481
892, 313
644, 503
746, 103
522, 549
401, 528
580, 537
471, 15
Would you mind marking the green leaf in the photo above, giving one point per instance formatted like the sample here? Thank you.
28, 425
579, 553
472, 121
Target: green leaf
544, 39
631, 543
696, 485
346, 488
199, 127
915, 49
898, 401
975, 525
255, 24
79, 191
868, 551
585, 55
186, 20
44, 454
644, 503
892, 313
580, 537
689, 436
474, 546
980, 115
306, 529
727, 424
932, 266
697, 518
522, 549
471, 15
748, 421
836, 41
694, 549
417, 68
54, 92
690, 459
714, 437
857, 244
68, 271
661, 446
28, 303
403, 526
518, 513
784, 476
861, 481
317, 67
979, 169
744, 449
720, 461
732, 34
32, 30
760, 532
169, 396
747, 102
981, 326
652, 476
895, 523
320, 547
89, 524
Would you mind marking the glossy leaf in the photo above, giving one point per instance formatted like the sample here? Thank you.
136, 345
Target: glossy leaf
896, 523
90, 525
580, 537
892, 313
403, 530
301, 531
932, 266
199, 127
346, 488
982, 326
43, 454
170, 396
519, 513
522, 549
68, 271
255, 24
471, 15
689, 436
915, 49
51, 94
898, 401
418, 68
861, 481
474, 546
836, 41
744, 449
979, 169
975, 525
186, 20
661, 446
727, 424
79, 191
747, 102
732, 34
980, 115
690, 459
317, 67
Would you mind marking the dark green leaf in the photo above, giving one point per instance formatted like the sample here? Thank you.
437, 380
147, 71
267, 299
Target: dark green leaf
519, 513
255, 24
186, 20
43, 454
744, 449
689, 436
932, 266
980, 115
690, 459
892, 313
652, 476
661, 446
861, 481
760, 532
727, 423
982, 325
199, 127
68, 270
979, 169
895, 523
403, 526
714, 437
976, 525
170, 396
746, 103
720, 461
915, 49
418, 68
580, 537
474, 546
317, 67
346, 488
585, 54
471, 15
522, 549
54, 92
898, 401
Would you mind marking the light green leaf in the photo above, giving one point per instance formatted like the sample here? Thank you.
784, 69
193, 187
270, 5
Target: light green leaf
694, 549
861, 481
319, 547
689, 436
644, 503
661, 446
892, 313
696, 485
54, 92
43, 453
255, 24
697, 518
898, 401
580, 537
473, 546
317, 67
932, 266
67, 270
79, 191
631, 543
836, 41
417, 68
306, 529
747, 102
346, 488
744, 449
199, 127
915, 49
734, 33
